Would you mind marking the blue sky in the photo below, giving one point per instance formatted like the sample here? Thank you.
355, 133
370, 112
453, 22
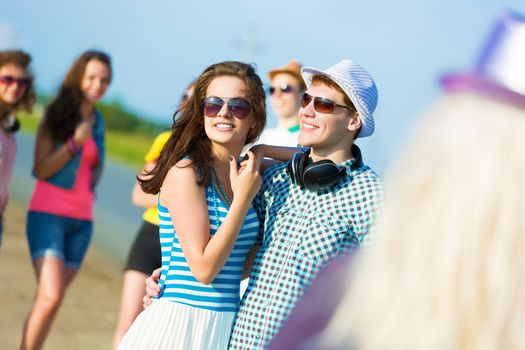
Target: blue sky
159, 46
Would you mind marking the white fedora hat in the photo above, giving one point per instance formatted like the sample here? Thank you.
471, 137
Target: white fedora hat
357, 84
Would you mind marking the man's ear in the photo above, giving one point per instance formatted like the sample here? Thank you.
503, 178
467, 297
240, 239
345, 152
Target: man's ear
354, 123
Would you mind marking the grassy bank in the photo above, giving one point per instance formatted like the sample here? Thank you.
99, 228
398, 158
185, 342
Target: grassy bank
127, 148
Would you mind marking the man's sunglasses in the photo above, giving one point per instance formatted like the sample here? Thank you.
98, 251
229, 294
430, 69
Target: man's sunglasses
239, 106
321, 104
284, 88
9, 80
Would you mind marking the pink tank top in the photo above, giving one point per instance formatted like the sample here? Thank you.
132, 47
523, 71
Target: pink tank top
77, 202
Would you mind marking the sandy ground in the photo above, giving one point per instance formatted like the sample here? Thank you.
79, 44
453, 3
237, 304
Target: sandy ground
88, 315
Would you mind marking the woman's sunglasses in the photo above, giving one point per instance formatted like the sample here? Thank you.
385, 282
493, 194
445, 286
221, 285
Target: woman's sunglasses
284, 88
9, 80
321, 104
239, 106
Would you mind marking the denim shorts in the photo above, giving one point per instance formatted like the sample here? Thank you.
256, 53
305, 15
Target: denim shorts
60, 236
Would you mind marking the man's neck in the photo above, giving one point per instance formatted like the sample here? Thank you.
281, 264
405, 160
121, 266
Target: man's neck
337, 156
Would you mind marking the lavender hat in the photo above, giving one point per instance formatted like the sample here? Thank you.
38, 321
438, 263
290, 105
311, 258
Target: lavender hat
500, 71
357, 84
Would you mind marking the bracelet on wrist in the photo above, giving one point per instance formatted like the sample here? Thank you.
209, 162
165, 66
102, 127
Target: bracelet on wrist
72, 146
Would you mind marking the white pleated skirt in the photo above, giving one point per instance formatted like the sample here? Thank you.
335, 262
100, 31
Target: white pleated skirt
170, 325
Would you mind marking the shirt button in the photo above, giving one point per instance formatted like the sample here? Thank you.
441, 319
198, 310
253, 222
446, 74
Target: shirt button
266, 303
258, 336
287, 243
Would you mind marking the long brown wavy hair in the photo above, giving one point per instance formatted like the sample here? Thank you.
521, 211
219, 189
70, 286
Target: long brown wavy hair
188, 137
62, 115
27, 101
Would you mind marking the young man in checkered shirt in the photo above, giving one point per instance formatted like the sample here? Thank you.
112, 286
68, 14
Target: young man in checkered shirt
311, 210
315, 207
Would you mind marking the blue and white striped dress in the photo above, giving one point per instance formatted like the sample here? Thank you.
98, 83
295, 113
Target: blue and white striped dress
189, 314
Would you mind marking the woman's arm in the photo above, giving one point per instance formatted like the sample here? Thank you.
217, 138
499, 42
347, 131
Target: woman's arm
270, 155
49, 160
141, 198
186, 202
280, 153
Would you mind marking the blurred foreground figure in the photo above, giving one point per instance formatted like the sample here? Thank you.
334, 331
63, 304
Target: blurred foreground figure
448, 268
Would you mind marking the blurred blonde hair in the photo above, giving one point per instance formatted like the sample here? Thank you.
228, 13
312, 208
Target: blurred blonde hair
448, 268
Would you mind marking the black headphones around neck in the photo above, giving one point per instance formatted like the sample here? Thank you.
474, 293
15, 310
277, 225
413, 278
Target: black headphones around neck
10, 124
316, 176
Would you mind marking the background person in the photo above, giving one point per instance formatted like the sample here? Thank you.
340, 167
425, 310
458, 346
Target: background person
16, 94
286, 88
69, 156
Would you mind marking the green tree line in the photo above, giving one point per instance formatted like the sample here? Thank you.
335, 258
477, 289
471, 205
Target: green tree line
119, 118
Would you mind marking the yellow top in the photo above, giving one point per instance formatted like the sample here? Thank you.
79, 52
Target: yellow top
151, 215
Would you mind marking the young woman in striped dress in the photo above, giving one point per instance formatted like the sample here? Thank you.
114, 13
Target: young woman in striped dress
207, 224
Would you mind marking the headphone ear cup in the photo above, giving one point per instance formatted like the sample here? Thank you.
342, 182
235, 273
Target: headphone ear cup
296, 168
302, 163
291, 170
322, 174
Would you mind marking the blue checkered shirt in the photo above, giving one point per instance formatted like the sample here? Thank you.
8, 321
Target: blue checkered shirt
302, 232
